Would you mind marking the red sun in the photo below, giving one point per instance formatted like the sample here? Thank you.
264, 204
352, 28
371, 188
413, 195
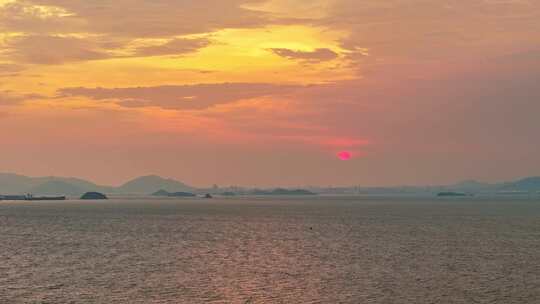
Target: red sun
344, 155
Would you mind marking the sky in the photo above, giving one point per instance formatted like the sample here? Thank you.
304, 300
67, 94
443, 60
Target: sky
271, 92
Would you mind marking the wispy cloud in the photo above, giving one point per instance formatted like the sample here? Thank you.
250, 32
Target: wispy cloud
317, 55
8, 98
409, 82
128, 18
198, 96
10, 69
176, 46
42, 49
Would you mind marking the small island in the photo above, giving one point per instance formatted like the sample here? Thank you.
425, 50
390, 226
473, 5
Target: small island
94, 196
164, 193
452, 194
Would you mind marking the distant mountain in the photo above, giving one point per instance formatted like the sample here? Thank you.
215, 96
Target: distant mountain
79, 183
530, 184
56, 187
469, 187
19, 184
152, 183
16, 184
472, 184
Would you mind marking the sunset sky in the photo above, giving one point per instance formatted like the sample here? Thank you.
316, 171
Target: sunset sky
267, 93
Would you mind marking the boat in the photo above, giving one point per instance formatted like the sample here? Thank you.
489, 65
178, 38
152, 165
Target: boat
45, 198
13, 197
30, 197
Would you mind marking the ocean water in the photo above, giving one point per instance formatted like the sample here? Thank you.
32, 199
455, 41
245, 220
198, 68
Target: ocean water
268, 250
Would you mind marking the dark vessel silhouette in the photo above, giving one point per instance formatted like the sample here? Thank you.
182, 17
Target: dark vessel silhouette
30, 197
45, 198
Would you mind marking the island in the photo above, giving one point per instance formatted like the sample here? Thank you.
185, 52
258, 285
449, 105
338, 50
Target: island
94, 196
452, 194
164, 193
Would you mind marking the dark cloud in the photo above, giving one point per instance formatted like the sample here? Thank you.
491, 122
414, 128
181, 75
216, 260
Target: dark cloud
200, 96
173, 47
10, 70
317, 55
8, 98
23, 16
134, 18
427, 30
42, 49
109, 25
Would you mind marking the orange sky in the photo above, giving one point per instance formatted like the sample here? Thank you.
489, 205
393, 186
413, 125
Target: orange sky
253, 92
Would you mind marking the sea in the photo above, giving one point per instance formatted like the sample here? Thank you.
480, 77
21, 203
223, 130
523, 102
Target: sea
272, 250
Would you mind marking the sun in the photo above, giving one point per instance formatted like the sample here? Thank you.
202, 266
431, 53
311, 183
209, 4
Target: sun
345, 155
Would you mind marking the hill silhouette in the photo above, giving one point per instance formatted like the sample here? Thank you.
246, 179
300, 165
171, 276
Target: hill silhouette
15, 184
152, 183
56, 187
19, 184
529, 184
